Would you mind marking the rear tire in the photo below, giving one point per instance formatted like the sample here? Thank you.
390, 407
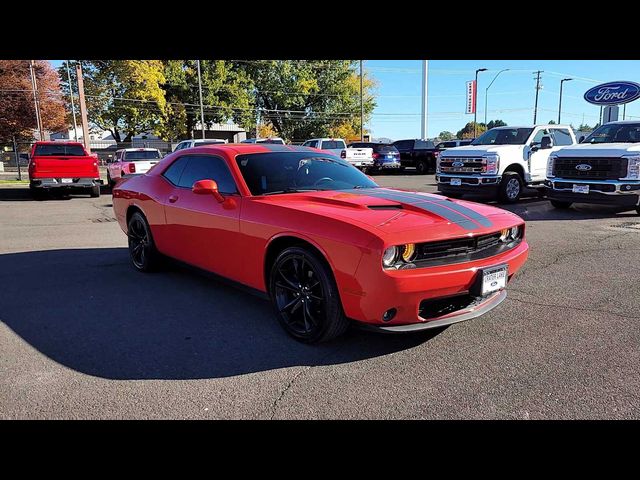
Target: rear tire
305, 297
142, 249
36, 193
95, 191
510, 187
561, 205
638, 210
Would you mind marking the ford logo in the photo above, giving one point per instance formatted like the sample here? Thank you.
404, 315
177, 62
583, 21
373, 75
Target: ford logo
457, 164
613, 93
583, 167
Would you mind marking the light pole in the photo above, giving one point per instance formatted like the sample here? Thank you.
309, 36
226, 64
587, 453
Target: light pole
486, 94
475, 106
201, 105
560, 102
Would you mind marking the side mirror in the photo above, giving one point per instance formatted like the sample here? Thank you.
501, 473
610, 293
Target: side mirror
581, 139
535, 146
546, 143
207, 187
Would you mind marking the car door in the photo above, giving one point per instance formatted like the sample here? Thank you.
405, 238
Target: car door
538, 156
404, 147
204, 232
114, 166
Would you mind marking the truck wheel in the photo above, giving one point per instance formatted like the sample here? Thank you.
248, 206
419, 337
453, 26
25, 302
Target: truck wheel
305, 297
638, 210
110, 180
560, 205
36, 193
95, 191
421, 167
142, 249
510, 187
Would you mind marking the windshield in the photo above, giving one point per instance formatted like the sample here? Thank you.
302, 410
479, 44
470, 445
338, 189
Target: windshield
616, 132
209, 142
286, 172
60, 150
504, 136
142, 155
275, 141
332, 145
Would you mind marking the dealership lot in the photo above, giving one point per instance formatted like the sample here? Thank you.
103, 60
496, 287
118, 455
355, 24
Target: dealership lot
83, 335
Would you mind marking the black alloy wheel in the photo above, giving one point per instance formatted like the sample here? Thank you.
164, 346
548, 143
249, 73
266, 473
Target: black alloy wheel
305, 297
142, 250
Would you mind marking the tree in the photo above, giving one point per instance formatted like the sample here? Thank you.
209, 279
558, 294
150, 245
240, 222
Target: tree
304, 99
495, 123
583, 127
468, 130
551, 122
123, 97
18, 116
226, 95
446, 135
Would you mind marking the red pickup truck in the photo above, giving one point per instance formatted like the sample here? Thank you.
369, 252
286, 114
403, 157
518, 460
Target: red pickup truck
63, 167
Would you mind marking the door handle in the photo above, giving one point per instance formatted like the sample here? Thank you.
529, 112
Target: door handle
173, 198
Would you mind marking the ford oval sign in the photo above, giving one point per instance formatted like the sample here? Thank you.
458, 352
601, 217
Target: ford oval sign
457, 164
583, 167
613, 93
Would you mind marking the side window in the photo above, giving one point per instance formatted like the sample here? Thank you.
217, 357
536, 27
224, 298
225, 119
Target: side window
313, 144
561, 137
538, 136
403, 144
306, 144
203, 167
174, 172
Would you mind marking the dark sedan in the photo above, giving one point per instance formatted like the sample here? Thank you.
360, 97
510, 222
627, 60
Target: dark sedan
385, 156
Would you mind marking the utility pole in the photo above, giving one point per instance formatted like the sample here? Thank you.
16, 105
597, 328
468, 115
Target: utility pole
361, 107
73, 108
538, 87
34, 86
560, 102
425, 86
475, 103
83, 108
201, 105
15, 151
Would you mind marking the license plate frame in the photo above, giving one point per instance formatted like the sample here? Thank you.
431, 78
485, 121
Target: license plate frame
456, 182
66, 180
584, 189
492, 279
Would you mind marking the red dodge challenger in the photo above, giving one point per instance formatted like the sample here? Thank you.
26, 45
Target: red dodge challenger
321, 239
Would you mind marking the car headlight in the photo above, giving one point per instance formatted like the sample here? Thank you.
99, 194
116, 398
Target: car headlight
399, 256
438, 164
492, 164
389, 256
508, 235
633, 167
550, 164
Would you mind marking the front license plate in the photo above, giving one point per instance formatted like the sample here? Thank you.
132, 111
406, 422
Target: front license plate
580, 188
494, 279
66, 180
456, 182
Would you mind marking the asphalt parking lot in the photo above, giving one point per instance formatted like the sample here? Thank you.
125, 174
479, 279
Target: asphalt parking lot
83, 335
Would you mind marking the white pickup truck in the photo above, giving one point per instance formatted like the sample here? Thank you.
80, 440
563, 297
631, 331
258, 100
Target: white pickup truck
361, 158
603, 169
131, 161
501, 161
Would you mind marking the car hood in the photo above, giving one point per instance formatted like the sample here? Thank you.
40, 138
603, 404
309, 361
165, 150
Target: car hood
599, 150
480, 150
401, 216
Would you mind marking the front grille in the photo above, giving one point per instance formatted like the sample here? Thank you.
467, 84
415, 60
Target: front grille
602, 168
462, 249
600, 187
469, 165
439, 307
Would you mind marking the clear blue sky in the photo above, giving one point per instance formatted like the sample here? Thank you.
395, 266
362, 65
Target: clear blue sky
511, 97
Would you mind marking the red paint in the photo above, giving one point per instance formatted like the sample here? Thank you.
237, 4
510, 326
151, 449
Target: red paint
231, 237
61, 166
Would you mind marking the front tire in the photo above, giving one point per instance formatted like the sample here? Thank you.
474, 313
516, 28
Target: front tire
561, 205
110, 180
510, 187
95, 191
422, 167
142, 249
305, 297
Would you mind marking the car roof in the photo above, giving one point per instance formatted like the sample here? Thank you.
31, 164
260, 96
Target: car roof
623, 122
133, 149
58, 142
331, 139
250, 148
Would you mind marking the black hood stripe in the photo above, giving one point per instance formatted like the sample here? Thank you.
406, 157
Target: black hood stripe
424, 204
478, 217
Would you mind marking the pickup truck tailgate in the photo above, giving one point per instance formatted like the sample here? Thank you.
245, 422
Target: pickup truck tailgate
61, 166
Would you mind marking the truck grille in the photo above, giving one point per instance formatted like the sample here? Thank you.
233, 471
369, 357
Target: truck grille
601, 168
461, 249
469, 165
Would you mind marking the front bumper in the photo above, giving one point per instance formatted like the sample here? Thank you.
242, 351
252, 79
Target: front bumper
407, 290
468, 183
57, 183
388, 165
361, 163
603, 192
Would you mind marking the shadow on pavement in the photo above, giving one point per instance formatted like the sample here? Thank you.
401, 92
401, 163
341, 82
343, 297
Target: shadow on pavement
22, 193
89, 310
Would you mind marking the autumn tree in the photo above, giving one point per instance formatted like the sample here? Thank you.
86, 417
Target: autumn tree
18, 116
226, 95
494, 124
468, 130
123, 97
304, 99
